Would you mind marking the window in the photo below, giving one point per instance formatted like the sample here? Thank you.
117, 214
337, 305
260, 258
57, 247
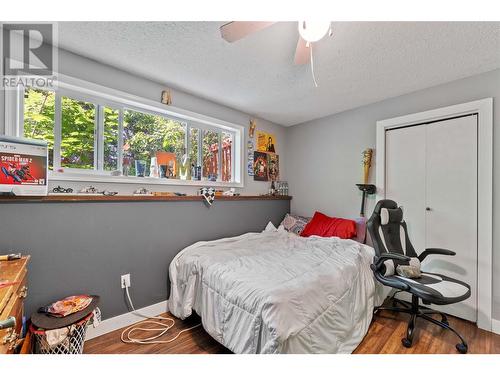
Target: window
194, 141
77, 134
39, 107
111, 130
226, 156
144, 135
88, 135
210, 155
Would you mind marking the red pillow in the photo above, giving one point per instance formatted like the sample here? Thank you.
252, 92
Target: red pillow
325, 226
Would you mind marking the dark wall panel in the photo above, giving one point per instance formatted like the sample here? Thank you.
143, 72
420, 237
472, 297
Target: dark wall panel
85, 247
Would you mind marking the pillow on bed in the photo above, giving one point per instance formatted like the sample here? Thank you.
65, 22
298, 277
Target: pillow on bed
294, 223
360, 229
270, 227
326, 226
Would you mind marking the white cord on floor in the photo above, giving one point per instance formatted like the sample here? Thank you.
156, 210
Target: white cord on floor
163, 329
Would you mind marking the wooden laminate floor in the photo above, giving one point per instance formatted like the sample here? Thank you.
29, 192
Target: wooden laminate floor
384, 336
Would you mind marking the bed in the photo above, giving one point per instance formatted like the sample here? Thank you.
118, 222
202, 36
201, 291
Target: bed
276, 292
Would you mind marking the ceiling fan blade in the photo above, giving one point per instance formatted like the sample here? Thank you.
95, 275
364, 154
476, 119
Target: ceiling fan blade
234, 31
302, 52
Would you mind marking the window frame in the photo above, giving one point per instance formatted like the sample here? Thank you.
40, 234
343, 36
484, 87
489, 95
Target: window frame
102, 97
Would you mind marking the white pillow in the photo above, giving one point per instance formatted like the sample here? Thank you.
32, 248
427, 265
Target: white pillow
270, 227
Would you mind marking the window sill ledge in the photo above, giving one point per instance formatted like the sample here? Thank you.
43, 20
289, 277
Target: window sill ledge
96, 178
133, 198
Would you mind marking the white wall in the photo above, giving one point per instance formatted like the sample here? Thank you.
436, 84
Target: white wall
89, 70
324, 156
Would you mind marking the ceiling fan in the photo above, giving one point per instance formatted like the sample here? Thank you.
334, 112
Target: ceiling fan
309, 33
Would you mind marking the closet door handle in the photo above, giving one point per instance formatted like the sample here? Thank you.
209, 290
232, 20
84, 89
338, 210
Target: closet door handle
428, 209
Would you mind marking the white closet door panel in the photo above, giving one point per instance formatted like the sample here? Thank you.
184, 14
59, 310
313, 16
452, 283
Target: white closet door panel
405, 177
451, 195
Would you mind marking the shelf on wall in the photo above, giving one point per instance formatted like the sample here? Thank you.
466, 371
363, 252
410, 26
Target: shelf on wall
134, 198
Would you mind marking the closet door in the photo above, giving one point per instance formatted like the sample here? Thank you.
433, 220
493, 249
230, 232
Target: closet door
431, 171
405, 177
451, 205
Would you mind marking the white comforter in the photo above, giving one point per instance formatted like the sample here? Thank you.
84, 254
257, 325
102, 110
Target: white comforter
276, 292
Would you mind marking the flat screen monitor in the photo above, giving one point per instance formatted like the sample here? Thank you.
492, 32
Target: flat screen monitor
23, 166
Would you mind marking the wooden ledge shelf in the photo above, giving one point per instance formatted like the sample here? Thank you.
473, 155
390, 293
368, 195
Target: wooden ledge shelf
134, 198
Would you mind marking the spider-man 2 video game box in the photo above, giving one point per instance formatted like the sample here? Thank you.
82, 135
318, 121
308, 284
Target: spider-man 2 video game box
23, 166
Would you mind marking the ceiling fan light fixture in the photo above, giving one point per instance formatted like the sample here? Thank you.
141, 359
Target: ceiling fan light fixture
312, 31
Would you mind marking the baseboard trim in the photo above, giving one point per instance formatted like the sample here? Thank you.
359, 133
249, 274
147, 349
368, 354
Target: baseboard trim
124, 320
495, 326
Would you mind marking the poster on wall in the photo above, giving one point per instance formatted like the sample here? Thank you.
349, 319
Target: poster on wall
266, 142
250, 151
273, 166
260, 169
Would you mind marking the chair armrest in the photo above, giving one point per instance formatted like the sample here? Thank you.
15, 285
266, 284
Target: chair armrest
391, 282
434, 251
379, 261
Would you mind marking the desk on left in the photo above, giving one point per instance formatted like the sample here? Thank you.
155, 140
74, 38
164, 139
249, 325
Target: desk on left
12, 296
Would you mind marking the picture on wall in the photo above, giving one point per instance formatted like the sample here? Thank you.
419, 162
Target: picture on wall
260, 166
250, 151
266, 142
273, 166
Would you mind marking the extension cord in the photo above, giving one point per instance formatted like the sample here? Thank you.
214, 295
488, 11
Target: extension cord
126, 333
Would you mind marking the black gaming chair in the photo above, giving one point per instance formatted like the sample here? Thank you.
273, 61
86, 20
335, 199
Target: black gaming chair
393, 247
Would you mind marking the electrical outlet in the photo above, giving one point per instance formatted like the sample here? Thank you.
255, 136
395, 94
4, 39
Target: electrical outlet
125, 281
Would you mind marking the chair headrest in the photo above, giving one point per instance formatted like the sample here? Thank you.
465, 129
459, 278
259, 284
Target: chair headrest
384, 203
391, 215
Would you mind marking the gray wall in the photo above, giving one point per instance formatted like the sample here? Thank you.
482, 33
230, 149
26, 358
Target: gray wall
324, 156
86, 247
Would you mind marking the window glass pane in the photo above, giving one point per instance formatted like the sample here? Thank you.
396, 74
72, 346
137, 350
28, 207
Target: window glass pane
210, 155
226, 164
110, 139
193, 146
146, 134
77, 134
39, 108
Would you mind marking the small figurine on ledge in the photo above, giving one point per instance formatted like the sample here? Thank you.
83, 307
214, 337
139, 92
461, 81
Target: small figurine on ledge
272, 188
166, 97
60, 190
142, 191
230, 193
10, 257
90, 190
251, 128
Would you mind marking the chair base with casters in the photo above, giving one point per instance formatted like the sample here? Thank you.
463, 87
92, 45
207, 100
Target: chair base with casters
393, 251
415, 310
